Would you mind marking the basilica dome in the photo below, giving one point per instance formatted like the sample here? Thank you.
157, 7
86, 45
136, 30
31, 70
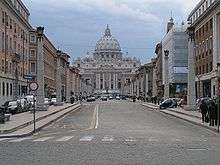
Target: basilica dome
107, 42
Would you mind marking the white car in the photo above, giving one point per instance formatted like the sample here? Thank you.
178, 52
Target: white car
53, 100
118, 98
46, 101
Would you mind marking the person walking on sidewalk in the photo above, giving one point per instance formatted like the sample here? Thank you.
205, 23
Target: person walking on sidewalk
212, 113
204, 109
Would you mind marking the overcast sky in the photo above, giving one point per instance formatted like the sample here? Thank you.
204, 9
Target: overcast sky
75, 25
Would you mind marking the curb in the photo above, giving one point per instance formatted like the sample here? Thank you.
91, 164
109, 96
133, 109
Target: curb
31, 122
184, 113
193, 122
45, 125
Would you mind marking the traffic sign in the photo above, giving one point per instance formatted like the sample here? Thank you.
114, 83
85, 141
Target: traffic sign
33, 86
28, 77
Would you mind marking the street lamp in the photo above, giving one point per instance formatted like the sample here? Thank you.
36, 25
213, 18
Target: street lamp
218, 94
166, 85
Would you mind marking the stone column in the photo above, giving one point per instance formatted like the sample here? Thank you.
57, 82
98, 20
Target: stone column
114, 81
99, 81
191, 93
147, 85
166, 80
110, 80
40, 70
103, 82
216, 47
96, 81
138, 87
58, 78
68, 85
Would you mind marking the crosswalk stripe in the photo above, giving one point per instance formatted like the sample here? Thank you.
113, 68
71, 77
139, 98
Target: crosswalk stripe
42, 139
130, 139
86, 138
65, 138
20, 139
108, 139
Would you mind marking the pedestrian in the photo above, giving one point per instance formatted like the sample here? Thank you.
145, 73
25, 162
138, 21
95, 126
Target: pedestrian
212, 113
155, 100
203, 108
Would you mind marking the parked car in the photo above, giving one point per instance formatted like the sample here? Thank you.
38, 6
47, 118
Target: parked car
30, 99
90, 99
47, 101
104, 98
168, 103
123, 98
118, 98
111, 98
53, 100
11, 107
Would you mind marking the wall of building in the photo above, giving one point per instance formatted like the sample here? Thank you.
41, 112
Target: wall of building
14, 38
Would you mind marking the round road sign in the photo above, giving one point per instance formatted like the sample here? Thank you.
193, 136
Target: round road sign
33, 86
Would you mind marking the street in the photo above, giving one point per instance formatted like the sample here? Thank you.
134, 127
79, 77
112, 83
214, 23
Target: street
115, 132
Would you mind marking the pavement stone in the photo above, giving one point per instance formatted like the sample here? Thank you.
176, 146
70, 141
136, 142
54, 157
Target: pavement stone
190, 116
47, 117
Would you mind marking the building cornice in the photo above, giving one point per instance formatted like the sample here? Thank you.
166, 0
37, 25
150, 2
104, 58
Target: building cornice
204, 14
17, 14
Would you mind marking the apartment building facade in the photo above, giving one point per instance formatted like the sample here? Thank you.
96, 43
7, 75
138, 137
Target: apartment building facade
205, 21
14, 49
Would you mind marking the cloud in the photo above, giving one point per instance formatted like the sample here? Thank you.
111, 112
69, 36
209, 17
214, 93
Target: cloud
76, 25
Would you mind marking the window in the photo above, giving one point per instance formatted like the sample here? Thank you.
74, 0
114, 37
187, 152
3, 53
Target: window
32, 53
33, 67
10, 89
3, 89
33, 39
210, 67
207, 68
3, 40
3, 65
7, 89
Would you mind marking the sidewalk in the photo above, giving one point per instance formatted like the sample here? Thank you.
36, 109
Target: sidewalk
22, 124
190, 116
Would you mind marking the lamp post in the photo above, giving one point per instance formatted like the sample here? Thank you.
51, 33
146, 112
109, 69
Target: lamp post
166, 85
218, 95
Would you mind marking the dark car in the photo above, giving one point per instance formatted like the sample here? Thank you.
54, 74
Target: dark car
104, 98
123, 97
168, 103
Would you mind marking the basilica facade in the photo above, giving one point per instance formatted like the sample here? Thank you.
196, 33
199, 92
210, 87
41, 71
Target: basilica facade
107, 70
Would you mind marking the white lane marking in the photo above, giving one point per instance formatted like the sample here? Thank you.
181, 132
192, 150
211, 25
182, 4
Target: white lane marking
42, 139
108, 139
197, 149
3, 139
97, 116
65, 138
20, 139
153, 140
130, 139
86, 138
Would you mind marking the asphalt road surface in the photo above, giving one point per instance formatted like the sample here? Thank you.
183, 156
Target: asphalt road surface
115, 133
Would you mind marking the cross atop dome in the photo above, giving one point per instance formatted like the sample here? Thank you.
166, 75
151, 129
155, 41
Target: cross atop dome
108, 31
